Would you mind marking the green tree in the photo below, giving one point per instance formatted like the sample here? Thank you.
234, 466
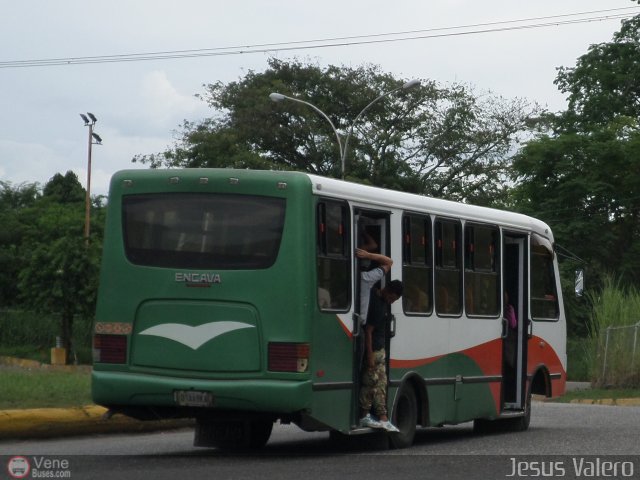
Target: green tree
432, 140
581, 174
64, 188
13, 202
59, 270
586, 187
605, 82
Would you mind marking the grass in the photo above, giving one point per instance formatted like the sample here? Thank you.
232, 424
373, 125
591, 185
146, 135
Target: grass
43, 355
22, 388
599, 394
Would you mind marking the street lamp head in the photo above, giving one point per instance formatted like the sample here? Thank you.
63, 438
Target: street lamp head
411, 84
276, 97
97, 138
92, 117
85, 118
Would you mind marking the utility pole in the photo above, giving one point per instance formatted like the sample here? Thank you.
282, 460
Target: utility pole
89, 121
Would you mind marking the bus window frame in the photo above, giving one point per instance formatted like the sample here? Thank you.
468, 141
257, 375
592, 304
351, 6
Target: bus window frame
497, 268
460, 264
322, 250
429, 263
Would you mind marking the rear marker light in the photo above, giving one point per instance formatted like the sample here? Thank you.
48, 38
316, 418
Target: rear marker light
288, 357
110, 348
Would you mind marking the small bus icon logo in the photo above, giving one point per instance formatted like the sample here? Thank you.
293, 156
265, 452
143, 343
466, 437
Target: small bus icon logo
18, 467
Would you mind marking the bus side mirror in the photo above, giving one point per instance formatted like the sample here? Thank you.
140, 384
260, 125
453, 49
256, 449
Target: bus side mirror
579, 283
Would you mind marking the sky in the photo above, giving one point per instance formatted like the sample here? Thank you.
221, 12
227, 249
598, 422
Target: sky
140, 105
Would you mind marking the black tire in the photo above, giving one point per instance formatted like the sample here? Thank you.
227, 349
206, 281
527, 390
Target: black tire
518, 424
405, 417
233, 435
521, 424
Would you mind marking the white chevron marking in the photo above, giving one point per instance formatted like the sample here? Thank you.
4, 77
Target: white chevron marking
194, 337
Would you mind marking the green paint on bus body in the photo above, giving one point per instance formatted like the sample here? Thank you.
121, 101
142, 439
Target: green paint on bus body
274, 303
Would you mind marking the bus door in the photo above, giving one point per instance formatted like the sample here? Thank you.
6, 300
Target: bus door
515, 292
371, 232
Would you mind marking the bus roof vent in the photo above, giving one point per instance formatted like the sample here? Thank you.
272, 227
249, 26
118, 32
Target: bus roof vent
174, 180
203, 180
282, 185
234, 181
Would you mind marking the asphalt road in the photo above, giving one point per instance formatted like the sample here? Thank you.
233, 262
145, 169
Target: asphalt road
562, 437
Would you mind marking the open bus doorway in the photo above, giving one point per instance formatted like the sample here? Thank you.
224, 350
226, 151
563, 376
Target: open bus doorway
371, 229
513, 345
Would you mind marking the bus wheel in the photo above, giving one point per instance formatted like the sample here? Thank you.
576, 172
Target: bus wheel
232, 434
518, 424
521, 424
405, 417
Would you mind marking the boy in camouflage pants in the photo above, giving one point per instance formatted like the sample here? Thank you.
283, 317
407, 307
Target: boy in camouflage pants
373, 389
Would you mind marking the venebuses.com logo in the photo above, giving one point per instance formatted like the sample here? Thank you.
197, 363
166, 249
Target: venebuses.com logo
38, 467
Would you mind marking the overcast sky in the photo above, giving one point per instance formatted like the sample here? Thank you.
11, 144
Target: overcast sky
140, 104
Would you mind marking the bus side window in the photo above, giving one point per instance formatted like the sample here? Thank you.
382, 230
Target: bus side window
544, 292
417, 264
448, 278
332, 256
481, 267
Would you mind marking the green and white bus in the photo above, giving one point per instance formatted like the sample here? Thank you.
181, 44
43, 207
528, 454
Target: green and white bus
231, 297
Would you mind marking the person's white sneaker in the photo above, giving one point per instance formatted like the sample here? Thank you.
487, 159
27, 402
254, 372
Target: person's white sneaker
389, 427
370, 422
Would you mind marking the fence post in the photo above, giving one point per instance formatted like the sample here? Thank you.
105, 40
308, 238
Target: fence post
635, 342
606, 349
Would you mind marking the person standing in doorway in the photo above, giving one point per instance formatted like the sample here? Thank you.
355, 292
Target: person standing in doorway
373, 391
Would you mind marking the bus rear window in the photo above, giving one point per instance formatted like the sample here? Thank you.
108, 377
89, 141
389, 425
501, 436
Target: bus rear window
202, 231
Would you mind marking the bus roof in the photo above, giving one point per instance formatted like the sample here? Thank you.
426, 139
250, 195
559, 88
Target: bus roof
385, 198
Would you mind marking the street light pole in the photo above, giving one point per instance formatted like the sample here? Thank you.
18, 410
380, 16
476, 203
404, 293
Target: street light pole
405, 86
89, 121
278, 97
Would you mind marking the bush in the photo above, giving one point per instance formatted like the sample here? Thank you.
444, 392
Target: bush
578, 369
614, 350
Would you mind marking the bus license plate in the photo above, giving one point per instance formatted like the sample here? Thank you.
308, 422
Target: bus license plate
193, 398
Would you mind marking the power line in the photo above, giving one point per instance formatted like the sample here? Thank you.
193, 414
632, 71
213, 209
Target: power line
460, 30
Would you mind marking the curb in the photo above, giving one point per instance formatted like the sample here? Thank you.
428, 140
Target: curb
90, 419
620, 402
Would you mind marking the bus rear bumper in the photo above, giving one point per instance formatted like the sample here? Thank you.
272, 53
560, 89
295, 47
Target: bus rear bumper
134, 392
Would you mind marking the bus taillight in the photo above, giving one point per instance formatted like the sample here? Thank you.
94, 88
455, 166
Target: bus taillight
288, 357
110, 348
